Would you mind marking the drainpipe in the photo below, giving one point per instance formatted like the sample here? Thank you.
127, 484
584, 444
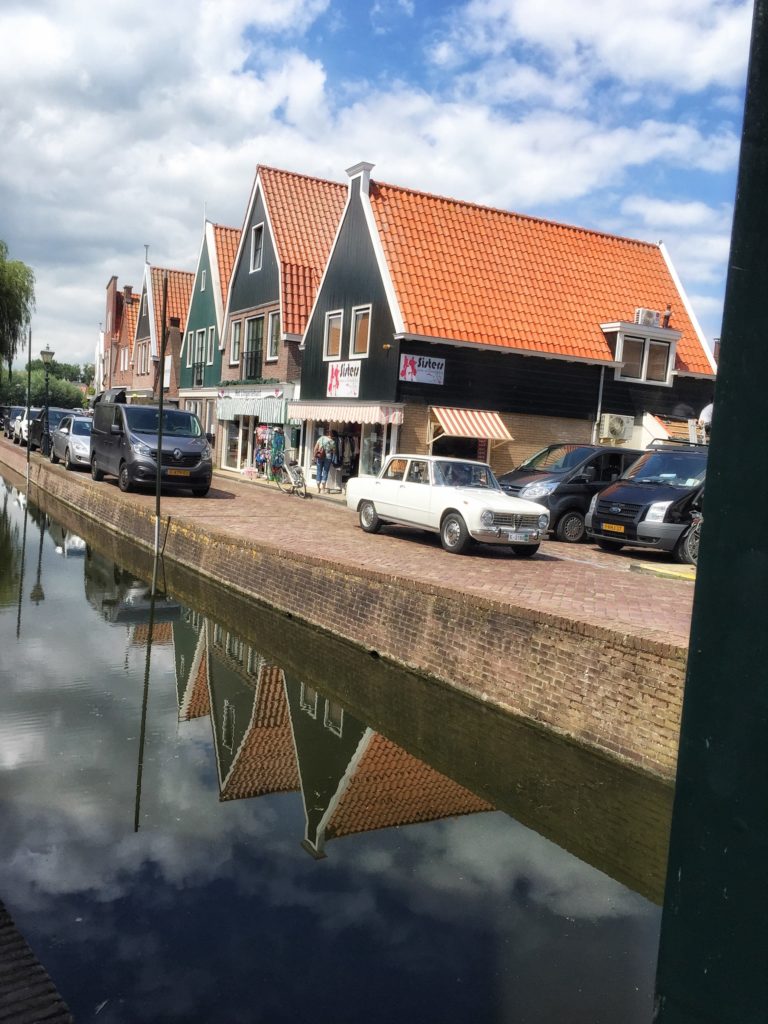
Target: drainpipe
599, 406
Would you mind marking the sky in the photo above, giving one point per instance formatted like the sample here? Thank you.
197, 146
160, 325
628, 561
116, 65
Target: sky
124, 124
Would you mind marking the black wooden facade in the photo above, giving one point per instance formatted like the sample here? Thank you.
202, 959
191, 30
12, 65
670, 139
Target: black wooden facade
249, 288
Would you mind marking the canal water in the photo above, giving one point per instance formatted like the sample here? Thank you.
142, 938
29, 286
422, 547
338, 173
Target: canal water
193, 831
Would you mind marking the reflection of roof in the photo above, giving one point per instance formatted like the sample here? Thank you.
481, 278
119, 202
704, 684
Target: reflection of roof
391, 787
490, 277
304, 213
227, 241
162, 633
197, 697
265, 761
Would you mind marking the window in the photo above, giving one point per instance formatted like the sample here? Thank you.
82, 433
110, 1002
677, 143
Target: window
333, 718
658, 361
332, 343
395, 470
200, 347
211, 341
257, 246
645, 359
418, 473
361, 323
273, 342
308, 700
234, 351
254, 335
202, 281
228, 726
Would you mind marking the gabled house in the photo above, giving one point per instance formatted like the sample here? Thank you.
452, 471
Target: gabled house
145, 384
119, 327
200, 367
289, 227
449, 327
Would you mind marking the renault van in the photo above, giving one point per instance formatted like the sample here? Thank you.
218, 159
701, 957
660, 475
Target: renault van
124, 443
565, 478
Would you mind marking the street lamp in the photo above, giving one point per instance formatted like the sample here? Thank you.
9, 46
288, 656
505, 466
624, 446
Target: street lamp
45, 441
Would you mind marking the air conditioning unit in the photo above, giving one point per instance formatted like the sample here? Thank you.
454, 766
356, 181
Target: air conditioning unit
647, 317
617, 428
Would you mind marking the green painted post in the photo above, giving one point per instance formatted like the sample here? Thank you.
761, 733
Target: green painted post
713, 958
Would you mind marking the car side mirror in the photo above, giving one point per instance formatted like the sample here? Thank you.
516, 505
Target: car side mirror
115, 429
211, 439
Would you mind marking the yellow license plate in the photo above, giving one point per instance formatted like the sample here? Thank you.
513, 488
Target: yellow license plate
184, 472
613, 527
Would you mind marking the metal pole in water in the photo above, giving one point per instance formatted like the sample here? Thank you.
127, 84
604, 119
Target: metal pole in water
713, 964
163, 341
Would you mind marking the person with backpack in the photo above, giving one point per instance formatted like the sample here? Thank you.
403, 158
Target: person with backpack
324, 450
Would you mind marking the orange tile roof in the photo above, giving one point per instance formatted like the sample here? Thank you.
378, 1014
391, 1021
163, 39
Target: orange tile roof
130, 317
162, 633
677, 429
476, 274
391, 787
198, 705
226, 241
180, 284
265, 761
304, 213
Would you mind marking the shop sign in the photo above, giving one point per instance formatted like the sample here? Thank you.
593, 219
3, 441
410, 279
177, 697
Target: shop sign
344, 379
422, 369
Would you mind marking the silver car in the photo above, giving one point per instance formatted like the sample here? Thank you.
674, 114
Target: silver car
71, 442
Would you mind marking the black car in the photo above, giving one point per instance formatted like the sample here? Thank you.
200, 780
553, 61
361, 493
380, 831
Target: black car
564, 478
55, 416
652, 505
9, 418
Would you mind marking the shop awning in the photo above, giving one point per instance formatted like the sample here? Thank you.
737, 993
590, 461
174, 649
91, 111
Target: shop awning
269, 408
470, 423
346, 412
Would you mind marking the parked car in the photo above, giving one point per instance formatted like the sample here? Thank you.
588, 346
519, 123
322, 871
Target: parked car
71, 441
55, 416
461, 500
651, 505
9, 420
21, 425
565, 478
124, 443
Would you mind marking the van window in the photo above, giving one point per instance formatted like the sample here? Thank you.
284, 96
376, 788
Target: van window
678, 469
142, 419
557, 458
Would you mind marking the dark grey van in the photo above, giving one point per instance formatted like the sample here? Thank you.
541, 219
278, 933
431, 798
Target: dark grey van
565, 478
124, 444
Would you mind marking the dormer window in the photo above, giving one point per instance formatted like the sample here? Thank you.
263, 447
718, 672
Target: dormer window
257, 246
646, 353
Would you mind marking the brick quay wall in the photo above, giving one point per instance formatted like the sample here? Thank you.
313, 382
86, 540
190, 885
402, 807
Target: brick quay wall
616, 687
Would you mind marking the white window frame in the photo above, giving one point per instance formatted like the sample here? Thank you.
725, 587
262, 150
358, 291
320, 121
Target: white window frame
328, 316
202, 281
359, 309
647, 340
307, 704
257, 264
234, 360
190, 346
336, 726
272, 357
200, 346
211, 346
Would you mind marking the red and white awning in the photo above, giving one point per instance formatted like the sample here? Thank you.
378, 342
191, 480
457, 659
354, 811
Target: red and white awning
479, 423
346, 412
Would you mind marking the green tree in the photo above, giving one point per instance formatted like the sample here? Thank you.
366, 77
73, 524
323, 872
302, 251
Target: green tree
17, 300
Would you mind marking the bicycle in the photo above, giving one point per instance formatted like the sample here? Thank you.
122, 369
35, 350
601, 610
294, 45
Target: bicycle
289, 476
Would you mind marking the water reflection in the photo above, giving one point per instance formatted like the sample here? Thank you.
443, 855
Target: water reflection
233, 764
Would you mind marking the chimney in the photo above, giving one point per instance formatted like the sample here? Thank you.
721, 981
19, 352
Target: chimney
127, 293
362, 171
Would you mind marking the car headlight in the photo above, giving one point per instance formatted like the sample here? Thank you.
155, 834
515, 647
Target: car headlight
539, 490
142, 449
486, 517
543, 521
79, 447
206, 453
657, 511
592, 504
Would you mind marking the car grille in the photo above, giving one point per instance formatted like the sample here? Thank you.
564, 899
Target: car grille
510, 521
620, 510
513, 489
185, 460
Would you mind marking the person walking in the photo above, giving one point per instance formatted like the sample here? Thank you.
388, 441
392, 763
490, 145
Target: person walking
323, 452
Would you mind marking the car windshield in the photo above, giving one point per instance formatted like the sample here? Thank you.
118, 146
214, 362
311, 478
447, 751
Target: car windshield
676, 468
557, 458
55, 416
464, 474
81, 427
145, 420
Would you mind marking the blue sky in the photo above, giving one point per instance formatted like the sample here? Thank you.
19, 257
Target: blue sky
123, 122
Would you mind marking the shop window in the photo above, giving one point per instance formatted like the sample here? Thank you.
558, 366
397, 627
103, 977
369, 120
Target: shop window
332, 342
234, 348
257, 246
372, 447
273, 341
361, 327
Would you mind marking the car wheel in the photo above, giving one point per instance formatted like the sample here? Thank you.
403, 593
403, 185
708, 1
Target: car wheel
200, 492
53, 456
570, 527
609, 545
525, 550
67, 460
454, 535
124, 478
97, 474
369, 520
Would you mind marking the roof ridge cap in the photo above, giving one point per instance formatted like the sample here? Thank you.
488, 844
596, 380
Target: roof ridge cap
298, 174
512, 213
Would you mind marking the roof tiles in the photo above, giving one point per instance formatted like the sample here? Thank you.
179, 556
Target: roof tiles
485, 276
180, 283
227, 241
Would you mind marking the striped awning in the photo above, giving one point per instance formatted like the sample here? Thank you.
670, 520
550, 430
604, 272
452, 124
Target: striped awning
471, 423
346, 412
269, 408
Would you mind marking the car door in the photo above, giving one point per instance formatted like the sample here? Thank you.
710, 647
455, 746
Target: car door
386, 488
60, 437
414, 493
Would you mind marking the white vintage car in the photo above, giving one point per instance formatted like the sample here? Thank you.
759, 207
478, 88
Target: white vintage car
459, 499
